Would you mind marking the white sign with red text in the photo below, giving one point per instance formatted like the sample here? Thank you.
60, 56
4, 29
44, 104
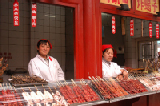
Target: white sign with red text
157, 31
33, 15
150, 29
16, 13
131, 27
113, 24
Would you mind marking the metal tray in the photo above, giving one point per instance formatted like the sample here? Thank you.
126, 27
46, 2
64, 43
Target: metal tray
25, 85
85, 103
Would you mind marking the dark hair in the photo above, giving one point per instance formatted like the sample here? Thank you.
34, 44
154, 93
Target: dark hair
42, 42
107, 50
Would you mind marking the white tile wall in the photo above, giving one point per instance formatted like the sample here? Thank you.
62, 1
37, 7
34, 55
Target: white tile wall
21, 41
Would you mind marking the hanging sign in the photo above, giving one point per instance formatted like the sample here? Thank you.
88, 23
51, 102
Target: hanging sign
150, 6
16, 13
113, 24
116, 2
131, 27
33, 15
150, 29
157, 31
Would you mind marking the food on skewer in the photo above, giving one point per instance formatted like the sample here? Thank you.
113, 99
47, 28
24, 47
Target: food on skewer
19, 102
27, 97
68, 94
152, 84
133, 86
91, 95
108, 89
19, 79
118, 87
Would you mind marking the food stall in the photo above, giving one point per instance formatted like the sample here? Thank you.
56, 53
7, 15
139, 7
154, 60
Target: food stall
24, 90
142, 90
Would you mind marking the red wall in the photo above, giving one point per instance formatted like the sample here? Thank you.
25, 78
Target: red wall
88, 31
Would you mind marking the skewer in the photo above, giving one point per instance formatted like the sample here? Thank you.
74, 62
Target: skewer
54, 87
58, 84
50, 89
65, 82
61, 84
29, 89
74, 84
36, 87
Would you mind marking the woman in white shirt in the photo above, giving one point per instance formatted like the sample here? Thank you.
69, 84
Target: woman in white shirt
111, 69
44, 65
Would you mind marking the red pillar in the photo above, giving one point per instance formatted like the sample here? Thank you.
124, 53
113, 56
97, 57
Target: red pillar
91, 44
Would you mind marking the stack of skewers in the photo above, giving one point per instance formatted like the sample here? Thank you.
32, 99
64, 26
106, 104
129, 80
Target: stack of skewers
10, 97
48, 98
78, 93
108, 89
151, 82
133, 86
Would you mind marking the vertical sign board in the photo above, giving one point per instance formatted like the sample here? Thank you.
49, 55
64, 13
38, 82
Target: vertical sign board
113, 25
131, 27
157, 31
150, 6
150, 29
16, 13
33, 15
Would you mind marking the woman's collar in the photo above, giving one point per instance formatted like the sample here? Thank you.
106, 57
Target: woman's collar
39, 56
106, 61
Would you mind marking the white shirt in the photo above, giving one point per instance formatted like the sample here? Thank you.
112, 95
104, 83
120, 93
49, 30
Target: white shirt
50, 71
110, 69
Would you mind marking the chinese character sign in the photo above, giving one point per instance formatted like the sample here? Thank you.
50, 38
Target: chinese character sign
117, 2
157, 31
151, 6
33, 15
131, 27
113, 24
150, 29
16, 13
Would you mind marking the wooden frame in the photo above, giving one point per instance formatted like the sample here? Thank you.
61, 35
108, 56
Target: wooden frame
78, 32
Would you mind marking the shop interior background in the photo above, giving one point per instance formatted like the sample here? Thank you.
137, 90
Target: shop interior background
131, 50
54, 23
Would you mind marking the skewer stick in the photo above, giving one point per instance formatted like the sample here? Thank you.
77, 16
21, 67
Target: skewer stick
61, 84
22, 89
43, 87
50, 89
65, 82
73, 82
10, 86
36, 87
58, 84
81, 82
54, 87
30, 89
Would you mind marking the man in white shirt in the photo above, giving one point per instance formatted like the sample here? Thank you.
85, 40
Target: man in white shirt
111, 69
44, 65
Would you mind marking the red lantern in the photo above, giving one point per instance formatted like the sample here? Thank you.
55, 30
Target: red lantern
157, 31
150, 29
113, 24
16, 13
131, 27
33, 15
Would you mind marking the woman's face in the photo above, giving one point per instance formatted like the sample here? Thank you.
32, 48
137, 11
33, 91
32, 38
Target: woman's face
108, 55
44, 49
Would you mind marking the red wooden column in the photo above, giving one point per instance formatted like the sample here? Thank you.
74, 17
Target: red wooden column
91, 53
